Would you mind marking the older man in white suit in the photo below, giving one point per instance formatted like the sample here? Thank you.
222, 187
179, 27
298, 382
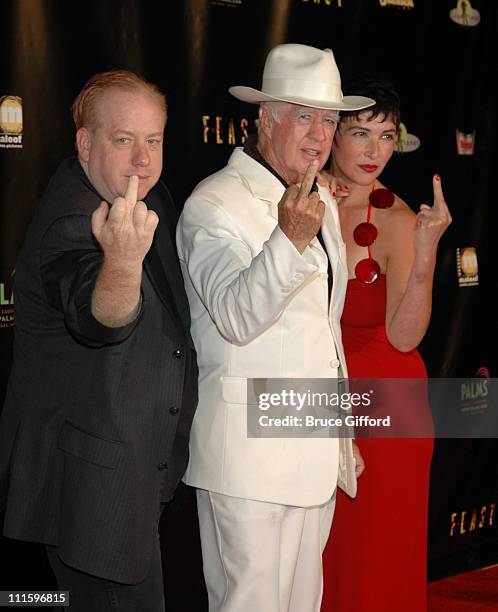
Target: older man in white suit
259, 245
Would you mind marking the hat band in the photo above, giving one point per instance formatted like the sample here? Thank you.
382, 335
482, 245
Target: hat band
301, 88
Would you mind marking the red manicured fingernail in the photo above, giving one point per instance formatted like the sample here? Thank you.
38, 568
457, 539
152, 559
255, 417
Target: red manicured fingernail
333, 194
437, 177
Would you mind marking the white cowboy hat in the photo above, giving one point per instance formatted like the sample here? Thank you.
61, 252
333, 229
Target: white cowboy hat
302, 75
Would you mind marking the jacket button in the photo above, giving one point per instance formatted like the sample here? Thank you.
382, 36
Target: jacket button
177, 354
162, 466
335, 363
174, 410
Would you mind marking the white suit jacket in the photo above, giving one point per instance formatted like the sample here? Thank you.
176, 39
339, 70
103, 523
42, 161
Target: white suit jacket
259, 309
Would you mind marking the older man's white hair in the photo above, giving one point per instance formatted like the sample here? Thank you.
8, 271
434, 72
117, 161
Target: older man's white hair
276, 108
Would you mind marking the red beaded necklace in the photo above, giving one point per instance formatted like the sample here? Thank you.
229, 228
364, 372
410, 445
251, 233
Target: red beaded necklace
367, 270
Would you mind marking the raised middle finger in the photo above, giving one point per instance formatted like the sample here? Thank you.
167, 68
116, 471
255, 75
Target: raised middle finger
439, 202
131, 194
308, 179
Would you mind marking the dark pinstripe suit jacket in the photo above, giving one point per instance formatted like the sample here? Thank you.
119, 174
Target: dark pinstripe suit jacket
94, 431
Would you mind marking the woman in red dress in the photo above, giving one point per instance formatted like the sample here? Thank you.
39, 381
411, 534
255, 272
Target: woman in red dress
375, 558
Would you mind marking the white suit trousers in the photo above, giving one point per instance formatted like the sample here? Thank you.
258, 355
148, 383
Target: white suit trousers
262, 557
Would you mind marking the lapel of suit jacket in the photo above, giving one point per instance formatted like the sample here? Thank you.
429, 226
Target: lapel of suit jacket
336, 249
161, 263
330, 230
265, 186
262, 184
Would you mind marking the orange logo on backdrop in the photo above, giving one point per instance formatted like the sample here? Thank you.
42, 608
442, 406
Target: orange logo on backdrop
10, 122
408, 4
220, 130
464, 14
406, 142
467, 267
467, 521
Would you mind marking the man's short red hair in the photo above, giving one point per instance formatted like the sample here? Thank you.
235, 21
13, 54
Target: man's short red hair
84, 106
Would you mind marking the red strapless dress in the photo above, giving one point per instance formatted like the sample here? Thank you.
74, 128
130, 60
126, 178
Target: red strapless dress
375, 559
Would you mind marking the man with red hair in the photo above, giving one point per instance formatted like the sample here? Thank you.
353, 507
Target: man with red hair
94, 432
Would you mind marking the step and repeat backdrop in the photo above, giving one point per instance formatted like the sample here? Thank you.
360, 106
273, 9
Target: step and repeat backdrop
442, 58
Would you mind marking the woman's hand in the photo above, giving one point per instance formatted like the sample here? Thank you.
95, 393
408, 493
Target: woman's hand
359, 462
432, 221
330, 182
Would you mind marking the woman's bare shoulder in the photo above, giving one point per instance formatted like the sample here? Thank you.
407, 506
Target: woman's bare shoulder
399, 215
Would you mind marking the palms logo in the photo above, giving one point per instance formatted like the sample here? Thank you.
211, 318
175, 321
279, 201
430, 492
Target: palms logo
405, 142
464, 14
483, 372
7, 304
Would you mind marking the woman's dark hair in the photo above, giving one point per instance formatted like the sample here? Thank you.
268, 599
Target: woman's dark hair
381, 90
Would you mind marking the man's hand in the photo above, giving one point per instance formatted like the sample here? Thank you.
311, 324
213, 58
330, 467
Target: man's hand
300, 213
360, 463
126, 230
125, 234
